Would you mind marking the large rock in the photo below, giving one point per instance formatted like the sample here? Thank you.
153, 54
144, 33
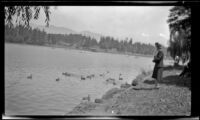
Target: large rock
111, 93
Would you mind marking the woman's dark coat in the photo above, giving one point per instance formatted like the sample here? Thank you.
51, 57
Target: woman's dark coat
158, 68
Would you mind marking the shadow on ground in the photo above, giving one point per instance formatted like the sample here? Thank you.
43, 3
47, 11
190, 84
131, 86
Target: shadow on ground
151, 82
171, 67
172, 79
142, 88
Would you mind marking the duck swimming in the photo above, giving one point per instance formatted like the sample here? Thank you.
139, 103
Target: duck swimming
89, 77
57, 79
101, 75
66, 74
82, 78
30, 76
86, 98
120, 78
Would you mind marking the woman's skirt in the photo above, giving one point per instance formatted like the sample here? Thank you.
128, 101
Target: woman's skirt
157, 73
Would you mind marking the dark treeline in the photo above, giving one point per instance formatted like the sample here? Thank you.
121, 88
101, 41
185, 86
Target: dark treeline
126, 46
25, 35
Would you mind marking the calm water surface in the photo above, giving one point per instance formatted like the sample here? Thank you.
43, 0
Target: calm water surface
42, 95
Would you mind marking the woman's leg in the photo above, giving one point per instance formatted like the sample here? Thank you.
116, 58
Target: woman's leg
155, 76
156, 83
159, 77
160, 72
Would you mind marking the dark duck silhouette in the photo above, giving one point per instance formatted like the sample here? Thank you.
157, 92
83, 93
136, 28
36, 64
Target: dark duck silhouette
57, 79
120, 78
66, 74
30, 76
82, 78
101, 75
86, 98
90, 76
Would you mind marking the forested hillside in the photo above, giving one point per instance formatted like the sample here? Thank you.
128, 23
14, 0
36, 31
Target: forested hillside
25, 35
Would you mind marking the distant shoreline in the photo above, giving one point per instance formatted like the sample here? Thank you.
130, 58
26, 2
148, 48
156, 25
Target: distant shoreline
88, 49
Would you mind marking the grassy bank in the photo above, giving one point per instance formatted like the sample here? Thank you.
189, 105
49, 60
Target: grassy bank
172, 98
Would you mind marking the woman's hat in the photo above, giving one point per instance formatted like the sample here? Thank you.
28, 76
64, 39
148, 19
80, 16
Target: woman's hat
158, 45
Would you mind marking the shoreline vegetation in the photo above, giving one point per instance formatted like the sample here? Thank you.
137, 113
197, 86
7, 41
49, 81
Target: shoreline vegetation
99, 50
107, 44
172, 98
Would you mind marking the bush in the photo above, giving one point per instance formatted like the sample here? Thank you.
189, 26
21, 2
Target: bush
134, 83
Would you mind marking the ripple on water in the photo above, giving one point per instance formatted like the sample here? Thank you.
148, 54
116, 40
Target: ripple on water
42, 95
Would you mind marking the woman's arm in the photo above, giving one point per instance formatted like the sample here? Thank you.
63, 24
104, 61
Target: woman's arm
158, 57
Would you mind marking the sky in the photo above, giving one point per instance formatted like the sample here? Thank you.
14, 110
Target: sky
147, 24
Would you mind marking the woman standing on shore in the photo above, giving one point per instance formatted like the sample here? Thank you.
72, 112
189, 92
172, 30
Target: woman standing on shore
158, 68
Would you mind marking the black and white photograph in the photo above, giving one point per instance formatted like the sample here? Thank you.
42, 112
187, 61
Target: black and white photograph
97, 60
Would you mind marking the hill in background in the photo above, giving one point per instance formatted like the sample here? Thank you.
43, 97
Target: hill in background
63, 30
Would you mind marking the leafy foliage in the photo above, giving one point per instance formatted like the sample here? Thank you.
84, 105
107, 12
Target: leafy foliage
23, 14
180, 31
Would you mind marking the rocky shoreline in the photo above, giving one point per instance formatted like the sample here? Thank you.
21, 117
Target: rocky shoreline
142, 99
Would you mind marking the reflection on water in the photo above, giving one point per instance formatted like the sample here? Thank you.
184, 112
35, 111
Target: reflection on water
43, 95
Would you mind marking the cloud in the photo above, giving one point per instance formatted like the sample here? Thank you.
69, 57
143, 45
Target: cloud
163, 35
142, 23
145, 35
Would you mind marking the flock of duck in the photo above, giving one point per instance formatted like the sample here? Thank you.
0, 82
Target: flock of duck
112, 80
109, 80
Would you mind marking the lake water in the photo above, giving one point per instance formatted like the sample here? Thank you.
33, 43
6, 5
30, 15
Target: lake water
43, 95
